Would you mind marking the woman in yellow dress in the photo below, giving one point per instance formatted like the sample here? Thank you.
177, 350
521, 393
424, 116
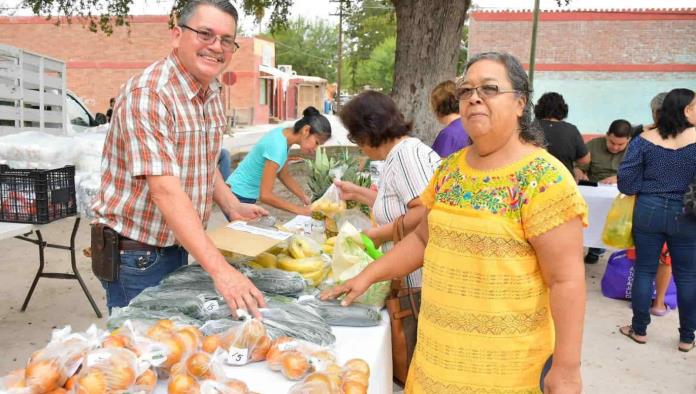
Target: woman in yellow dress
501, 251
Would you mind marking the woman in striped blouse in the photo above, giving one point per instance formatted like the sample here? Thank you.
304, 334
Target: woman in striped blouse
379, 129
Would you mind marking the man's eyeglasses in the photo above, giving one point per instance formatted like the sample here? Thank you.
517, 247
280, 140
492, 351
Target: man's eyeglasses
226, 43
483, 91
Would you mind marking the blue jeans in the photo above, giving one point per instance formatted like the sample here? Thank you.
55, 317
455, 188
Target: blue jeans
225, 164
657, 220
245, 199
140, 270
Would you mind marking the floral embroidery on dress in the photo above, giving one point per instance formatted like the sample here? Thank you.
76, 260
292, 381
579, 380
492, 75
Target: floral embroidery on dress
504, 195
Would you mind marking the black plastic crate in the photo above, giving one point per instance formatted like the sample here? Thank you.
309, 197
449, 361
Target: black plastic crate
37, 196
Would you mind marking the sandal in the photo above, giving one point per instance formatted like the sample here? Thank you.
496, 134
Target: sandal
656, 312
628, 331
688, 347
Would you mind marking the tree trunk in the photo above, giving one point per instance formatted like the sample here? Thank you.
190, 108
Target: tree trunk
427, 49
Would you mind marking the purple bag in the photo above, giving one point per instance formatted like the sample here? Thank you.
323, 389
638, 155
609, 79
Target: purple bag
618, 280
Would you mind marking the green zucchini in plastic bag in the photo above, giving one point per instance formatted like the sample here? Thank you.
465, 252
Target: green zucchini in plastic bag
355, 315
296, 321
120, 315
276, 281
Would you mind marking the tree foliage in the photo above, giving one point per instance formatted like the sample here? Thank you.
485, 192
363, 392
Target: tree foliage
378, 70
309, 46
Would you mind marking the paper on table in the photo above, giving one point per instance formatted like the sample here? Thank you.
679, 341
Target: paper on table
273, 234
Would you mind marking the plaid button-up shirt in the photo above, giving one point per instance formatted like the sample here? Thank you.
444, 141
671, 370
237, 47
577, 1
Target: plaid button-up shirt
163, 123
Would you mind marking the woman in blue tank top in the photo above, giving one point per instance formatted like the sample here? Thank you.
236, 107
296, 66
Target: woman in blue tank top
256, 174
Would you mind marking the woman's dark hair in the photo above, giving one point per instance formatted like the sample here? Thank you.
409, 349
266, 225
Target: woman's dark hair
373, 119
551, 105
620, 128
529, 131
443, 99
672, 120
318, 124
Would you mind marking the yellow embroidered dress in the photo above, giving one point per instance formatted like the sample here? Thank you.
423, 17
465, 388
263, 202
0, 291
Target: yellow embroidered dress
485, 322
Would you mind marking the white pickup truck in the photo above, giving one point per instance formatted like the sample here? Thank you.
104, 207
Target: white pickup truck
34, 95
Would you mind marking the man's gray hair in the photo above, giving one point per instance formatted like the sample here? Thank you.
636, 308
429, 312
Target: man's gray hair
192, 5
656, 102
529, 131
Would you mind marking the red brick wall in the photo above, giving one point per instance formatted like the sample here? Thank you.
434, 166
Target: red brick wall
99, 64
589, 38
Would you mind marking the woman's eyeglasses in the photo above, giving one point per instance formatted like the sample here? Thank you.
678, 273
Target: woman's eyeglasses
483, 91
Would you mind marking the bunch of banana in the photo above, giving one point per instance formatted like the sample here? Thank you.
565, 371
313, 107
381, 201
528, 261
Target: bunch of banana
301, 247
328, 246
312, 268
264, 260
328, 208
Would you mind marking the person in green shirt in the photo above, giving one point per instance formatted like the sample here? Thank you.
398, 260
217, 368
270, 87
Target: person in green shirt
606, 153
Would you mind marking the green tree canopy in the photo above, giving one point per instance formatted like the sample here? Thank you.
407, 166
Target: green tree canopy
308, 46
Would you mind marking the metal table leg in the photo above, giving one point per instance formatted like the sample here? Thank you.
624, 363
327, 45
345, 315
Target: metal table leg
40, 274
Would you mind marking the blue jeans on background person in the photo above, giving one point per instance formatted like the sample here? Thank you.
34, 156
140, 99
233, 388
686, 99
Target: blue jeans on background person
657, 219
141, 269
225, 163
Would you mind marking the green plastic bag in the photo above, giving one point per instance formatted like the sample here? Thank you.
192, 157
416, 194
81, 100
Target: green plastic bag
618, 226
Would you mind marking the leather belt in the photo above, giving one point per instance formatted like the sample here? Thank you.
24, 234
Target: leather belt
131, 245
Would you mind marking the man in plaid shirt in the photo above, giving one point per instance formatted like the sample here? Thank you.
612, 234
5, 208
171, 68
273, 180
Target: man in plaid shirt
159, 174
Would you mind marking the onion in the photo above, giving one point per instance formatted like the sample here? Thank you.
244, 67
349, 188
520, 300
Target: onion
182, 384
147, 379
356, 376
294, 365
274, 354
236, 387
358, 364
259, 351
354, 388
44, 375
198, 365
92, 381
211, 343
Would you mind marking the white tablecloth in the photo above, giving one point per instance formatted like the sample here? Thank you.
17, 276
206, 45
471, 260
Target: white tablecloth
372, 344
599, 201
9, 230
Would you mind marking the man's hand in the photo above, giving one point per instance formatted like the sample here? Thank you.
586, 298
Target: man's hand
247, 212
239, 292
563, 380
580, 175
609, 180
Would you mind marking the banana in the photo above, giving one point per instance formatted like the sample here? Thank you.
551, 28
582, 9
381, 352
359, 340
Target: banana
255, 265
295, 250
331, 241
315, 277
267, 260
309, 264
328, 249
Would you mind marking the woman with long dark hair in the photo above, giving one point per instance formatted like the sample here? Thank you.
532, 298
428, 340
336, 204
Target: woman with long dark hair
657, 169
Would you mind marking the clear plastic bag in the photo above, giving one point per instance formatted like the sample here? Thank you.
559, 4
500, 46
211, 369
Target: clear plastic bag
296, 358
297, 321
330, 202
15, 383
198, 303
354, 315
107, 370
618, 226
50, 367
349, 259
245, 343
147, 316
355, 217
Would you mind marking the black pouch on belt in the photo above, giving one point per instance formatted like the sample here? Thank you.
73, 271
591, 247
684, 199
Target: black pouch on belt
106, 257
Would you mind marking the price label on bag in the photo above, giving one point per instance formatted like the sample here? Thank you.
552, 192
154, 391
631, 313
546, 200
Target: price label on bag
211, 306
237, 356
283, 347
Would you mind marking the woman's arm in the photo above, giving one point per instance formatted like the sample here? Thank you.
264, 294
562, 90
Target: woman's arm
413, 216
292, 185
559, 252
351, 191
406, 257
266, 195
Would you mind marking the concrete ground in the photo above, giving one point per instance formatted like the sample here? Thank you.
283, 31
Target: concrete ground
611, 363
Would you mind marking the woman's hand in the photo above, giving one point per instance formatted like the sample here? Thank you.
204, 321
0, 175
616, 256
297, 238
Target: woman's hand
304, 210
352, 288
563, 380
347, 190
373, 234
306, 200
